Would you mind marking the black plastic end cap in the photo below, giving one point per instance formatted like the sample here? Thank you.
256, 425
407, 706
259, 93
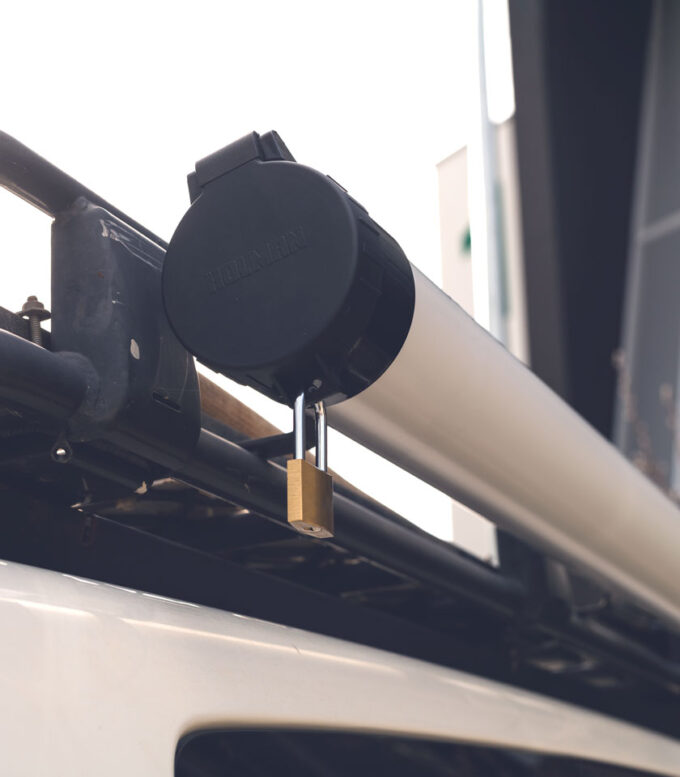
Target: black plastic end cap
278, 279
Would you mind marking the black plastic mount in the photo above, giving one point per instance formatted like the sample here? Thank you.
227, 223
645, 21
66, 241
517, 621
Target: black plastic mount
278, 279
106, 303
124, 377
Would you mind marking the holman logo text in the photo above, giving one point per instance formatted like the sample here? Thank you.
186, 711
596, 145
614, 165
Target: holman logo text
255, 259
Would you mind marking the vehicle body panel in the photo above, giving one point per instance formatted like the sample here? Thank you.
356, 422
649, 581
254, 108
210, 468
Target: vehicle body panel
105, 680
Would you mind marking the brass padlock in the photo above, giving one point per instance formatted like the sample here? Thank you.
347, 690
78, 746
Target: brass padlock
310, 488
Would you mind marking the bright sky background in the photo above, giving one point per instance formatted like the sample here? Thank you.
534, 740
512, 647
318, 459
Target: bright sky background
126, 97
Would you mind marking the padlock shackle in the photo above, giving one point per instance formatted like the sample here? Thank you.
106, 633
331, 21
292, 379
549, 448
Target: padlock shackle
300, 432
321, 436
299, 429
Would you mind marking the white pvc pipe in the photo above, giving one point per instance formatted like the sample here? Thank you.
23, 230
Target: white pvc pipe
460, 412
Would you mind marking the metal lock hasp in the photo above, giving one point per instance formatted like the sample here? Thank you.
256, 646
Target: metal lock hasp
310, 488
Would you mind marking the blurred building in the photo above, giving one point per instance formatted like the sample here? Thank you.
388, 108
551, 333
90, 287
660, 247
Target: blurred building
598, 137
456, 238
470, 530
579, 78
649, 359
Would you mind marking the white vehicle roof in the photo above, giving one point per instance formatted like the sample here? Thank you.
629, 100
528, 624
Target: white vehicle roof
104, 680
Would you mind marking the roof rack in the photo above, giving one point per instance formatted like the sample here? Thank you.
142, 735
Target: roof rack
138, 471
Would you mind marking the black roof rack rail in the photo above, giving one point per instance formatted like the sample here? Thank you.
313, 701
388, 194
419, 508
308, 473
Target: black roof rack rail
125, 446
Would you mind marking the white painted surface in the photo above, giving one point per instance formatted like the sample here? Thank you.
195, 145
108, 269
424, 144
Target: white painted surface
454, 219
470, 530
101, 680
508, 179
457, 410
454, 226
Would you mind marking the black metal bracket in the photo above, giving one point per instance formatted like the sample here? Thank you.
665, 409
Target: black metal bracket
278, 445
115, 374
106, 306
141, 389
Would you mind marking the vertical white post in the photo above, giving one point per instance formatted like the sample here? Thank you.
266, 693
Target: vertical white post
487, 272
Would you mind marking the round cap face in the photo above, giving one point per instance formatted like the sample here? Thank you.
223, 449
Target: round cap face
260, 265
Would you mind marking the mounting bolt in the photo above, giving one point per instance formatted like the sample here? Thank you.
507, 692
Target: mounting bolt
35, 311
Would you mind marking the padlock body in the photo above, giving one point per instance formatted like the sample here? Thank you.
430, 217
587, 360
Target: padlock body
310, 499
